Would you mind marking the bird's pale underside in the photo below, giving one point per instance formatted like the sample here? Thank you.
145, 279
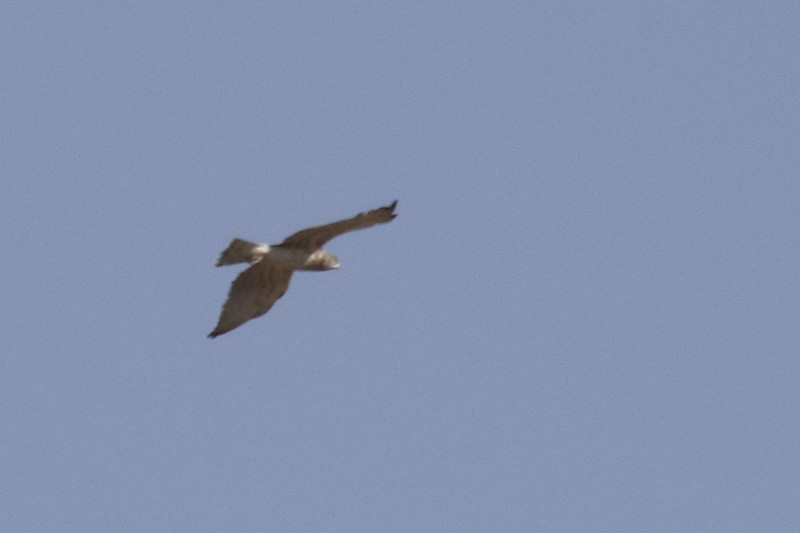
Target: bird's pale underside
256, 289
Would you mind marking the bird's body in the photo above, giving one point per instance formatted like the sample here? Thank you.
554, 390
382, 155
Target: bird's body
298, 259
293, 258
256, 289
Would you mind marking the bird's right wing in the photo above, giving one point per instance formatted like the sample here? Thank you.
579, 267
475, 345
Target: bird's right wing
252, 294
313, 238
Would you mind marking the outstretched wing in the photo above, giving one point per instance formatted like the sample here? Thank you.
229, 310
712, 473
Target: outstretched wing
313, 238
252, 294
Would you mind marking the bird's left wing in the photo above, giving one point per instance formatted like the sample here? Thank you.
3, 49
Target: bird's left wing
252, 294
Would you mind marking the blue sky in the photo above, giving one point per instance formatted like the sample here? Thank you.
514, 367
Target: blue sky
584, 318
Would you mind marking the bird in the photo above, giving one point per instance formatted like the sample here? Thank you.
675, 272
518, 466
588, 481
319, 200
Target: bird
256, 289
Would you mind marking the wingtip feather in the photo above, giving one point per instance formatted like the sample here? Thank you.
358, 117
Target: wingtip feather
216, 333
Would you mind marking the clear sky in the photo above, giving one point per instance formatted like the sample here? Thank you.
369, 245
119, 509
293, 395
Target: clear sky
585, 317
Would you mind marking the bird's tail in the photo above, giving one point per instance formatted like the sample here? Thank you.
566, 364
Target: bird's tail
241, 251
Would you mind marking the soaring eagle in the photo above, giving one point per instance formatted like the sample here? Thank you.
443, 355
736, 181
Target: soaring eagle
256, 289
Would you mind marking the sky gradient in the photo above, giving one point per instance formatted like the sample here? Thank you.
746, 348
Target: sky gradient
584, 318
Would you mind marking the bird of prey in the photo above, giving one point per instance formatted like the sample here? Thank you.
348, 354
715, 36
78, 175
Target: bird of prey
256, 289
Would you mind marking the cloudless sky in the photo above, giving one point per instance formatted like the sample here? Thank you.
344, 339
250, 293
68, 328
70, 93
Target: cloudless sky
584, 318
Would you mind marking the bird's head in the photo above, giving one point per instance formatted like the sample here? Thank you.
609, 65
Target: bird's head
322, 260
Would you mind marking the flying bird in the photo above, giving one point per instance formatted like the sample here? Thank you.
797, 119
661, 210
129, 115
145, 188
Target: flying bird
256, 289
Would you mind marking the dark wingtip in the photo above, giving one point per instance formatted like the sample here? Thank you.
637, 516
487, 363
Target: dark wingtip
214, 334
